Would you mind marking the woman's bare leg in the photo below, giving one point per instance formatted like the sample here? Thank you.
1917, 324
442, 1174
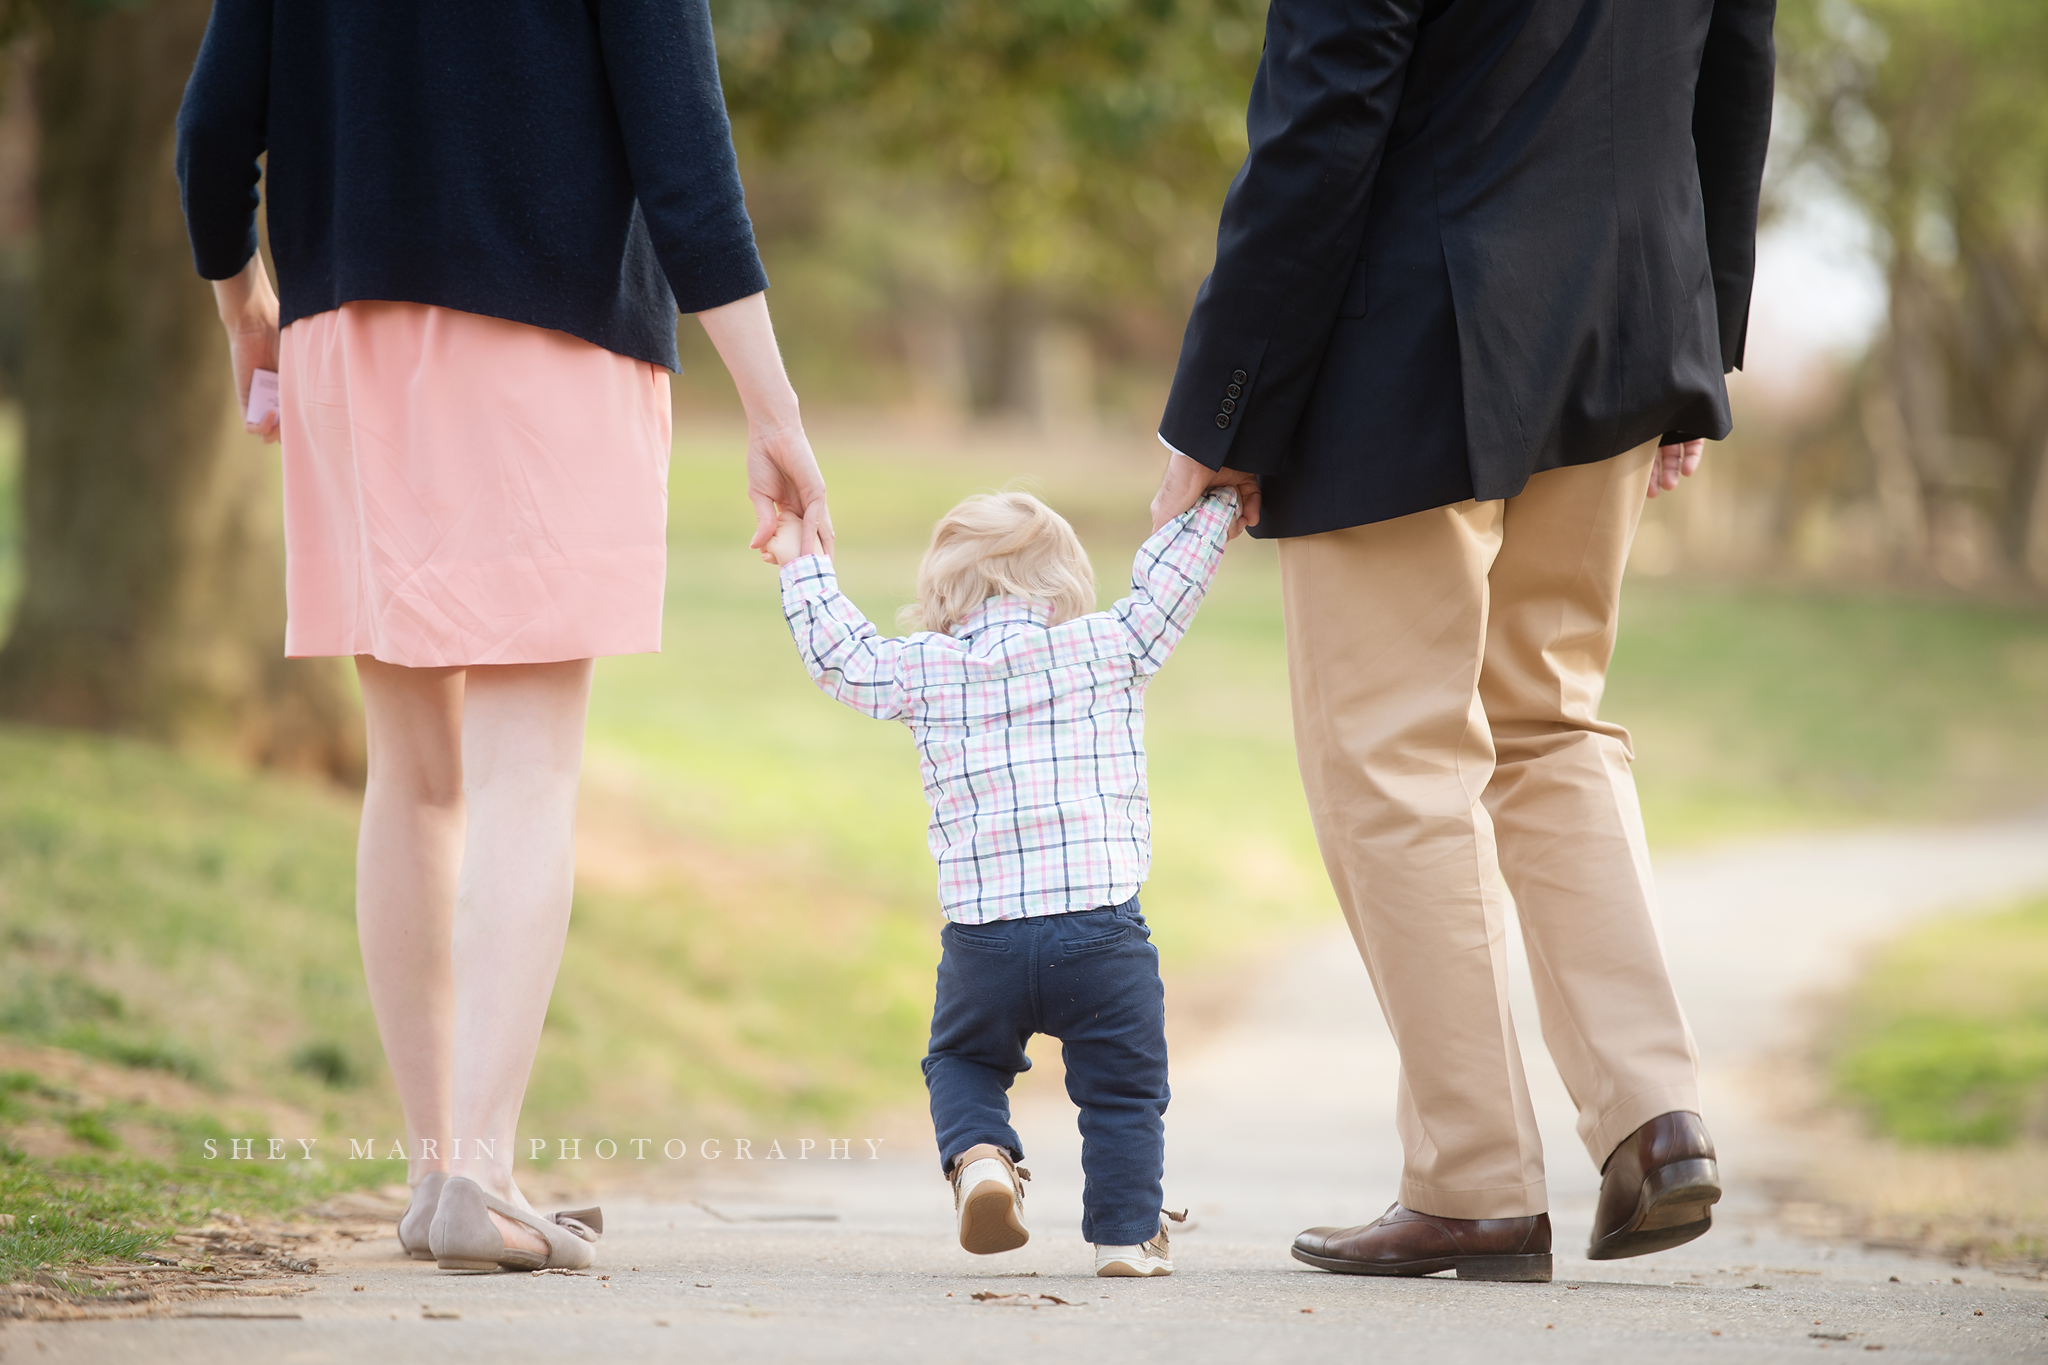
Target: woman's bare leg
522, 751
407, 858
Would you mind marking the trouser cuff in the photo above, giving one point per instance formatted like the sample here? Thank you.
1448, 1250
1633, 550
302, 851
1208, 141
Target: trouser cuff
1006, 1141
1124, 1233
1502, 1201
1607, 1132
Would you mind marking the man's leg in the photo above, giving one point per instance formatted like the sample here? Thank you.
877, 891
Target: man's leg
1386, 628
1564, 806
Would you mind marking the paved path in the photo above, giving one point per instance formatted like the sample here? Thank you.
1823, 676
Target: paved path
1280, 1120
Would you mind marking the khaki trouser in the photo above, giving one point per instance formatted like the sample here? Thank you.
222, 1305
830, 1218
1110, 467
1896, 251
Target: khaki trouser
1447, 670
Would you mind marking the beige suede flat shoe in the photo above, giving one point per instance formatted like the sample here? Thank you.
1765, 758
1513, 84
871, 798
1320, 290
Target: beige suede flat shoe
419, 1215
465, 1238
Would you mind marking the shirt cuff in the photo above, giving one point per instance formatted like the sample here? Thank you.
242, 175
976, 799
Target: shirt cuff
808, 576
1171, 446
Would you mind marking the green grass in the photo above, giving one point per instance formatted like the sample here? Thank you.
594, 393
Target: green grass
1756, 708
110, 1200
1944, 1040
167, 914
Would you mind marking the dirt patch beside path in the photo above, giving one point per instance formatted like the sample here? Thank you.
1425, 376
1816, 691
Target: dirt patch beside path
229, 1267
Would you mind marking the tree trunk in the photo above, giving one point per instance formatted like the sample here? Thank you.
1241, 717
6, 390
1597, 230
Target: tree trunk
1004, 353
152, 601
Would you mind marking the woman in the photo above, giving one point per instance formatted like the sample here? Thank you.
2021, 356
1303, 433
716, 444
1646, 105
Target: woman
485, 217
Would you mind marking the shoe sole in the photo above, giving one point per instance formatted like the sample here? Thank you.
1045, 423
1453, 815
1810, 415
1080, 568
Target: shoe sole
1528, 1269
989, 1221
1676, 1205
1124, 1270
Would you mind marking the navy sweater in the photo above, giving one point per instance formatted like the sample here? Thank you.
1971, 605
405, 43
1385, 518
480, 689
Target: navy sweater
563, 164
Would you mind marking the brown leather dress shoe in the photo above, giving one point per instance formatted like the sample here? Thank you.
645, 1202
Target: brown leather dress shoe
1657, 1190
1404, 1242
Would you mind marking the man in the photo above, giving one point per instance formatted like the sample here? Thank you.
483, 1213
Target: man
1476, 289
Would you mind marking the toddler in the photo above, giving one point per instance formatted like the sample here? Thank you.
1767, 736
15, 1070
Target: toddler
1028, 710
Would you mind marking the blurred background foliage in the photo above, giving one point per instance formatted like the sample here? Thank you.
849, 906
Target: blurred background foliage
1920, 456
1007, 203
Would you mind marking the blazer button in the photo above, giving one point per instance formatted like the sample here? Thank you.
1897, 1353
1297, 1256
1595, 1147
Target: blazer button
1230, 405
1235, 390
1238, 376
1222, 419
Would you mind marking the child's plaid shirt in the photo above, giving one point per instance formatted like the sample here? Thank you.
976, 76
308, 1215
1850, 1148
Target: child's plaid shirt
1032, 736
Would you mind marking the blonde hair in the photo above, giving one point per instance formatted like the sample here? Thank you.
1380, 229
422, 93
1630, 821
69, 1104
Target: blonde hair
1006, 544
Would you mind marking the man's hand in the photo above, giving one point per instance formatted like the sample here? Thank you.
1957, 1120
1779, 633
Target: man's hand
1673, 463
1185, 482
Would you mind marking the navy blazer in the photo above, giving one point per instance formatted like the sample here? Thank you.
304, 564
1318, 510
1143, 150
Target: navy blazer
1475, 239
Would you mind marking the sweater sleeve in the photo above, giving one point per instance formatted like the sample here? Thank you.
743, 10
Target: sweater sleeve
846, 656
663, 69
222, 130
1171, 575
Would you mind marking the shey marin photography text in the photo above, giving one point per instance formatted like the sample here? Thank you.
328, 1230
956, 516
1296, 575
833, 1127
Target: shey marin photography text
547, 1149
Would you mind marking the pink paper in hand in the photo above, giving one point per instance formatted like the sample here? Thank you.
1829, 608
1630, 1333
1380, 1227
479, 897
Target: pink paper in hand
262, 397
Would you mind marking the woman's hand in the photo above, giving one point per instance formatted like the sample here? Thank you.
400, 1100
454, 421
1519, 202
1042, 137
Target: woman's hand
1672, 463
782, 473
248, 310
783, 476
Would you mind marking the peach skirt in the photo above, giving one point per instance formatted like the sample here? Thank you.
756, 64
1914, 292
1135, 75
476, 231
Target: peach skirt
461, 490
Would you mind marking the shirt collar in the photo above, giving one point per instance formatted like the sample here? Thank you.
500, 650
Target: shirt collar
1003, 611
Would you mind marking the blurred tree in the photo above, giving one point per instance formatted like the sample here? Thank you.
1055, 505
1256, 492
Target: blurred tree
1932, 115
152, 595
1085, 144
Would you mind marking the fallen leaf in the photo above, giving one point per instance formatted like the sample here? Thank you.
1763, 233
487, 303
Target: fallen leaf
445, 1314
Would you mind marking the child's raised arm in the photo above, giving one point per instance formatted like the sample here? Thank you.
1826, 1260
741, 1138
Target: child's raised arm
846, 656
1172, 572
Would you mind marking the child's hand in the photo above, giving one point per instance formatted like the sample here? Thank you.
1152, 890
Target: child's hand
789, 541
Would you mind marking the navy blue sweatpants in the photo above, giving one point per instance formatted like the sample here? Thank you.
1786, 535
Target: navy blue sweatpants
1090, 979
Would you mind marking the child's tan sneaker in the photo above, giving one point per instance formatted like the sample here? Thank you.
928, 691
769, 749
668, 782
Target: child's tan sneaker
989, 1197
1153, 1258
